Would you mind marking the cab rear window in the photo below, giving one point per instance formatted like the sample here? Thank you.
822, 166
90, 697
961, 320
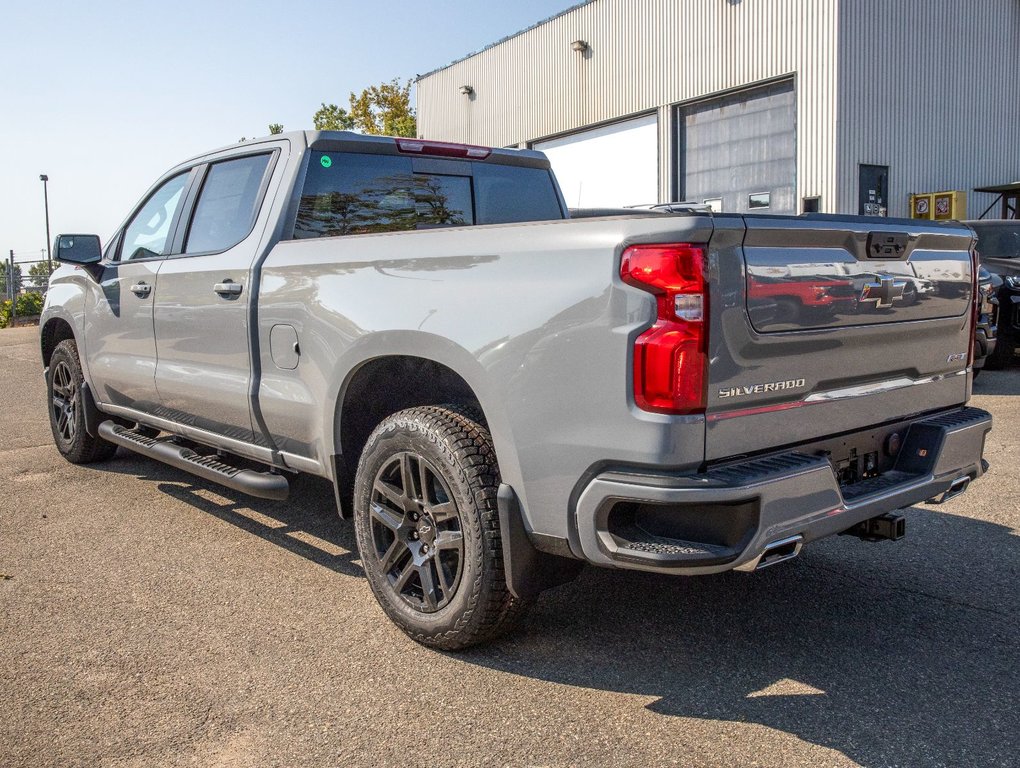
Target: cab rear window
355, 194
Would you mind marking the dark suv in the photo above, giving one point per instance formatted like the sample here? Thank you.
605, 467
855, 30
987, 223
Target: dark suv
998, 248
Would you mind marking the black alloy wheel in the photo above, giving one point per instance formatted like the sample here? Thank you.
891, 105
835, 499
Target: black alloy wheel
64, 382
427, 527
416, 532
65, 396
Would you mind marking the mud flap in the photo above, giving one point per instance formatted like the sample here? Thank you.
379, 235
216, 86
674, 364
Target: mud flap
528, 571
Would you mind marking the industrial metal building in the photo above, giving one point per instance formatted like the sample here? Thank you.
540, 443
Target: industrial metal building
781, 106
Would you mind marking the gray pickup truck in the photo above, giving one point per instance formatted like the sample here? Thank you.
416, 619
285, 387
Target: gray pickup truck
501, 393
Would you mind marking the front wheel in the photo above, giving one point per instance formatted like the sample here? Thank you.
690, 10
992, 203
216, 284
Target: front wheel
428, 529
67, 416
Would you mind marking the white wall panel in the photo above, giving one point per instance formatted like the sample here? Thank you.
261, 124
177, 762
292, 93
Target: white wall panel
613, 165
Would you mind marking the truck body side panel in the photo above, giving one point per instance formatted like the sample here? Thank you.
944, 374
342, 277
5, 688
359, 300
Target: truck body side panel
533, 316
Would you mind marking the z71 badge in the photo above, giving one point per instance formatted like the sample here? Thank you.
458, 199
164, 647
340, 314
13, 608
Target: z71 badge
758, 389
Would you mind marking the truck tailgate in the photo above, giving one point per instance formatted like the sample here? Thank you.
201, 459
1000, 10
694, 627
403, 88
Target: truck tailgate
826, 325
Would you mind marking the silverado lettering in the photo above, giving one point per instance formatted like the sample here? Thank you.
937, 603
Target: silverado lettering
757, 389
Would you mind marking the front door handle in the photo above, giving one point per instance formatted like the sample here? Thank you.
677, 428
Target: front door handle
228, 288
141, 289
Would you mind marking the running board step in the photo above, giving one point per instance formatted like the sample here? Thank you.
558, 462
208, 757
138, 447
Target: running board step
265, 485
638, 546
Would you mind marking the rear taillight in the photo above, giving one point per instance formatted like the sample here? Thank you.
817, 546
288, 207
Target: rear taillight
442, 149
671, 357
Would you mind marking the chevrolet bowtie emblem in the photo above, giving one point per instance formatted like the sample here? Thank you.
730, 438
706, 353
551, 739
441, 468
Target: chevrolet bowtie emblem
884, 292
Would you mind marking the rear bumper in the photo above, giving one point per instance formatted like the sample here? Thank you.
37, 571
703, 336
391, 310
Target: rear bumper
727, 518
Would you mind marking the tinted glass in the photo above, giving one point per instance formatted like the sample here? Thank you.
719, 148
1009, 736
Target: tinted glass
507, 193
146, 234
226, 207
352, 194
998, 241
441, 201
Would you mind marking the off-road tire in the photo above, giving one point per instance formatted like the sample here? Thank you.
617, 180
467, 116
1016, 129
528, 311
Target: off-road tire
451, 453
67, 415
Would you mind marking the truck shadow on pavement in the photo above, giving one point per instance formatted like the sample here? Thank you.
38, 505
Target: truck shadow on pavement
306, 524
892, 653
899, 653
1005, 382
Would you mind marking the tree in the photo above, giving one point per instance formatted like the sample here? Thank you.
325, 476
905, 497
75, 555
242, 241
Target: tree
379, 109
274, 128
5, 288
330, 117
39, 274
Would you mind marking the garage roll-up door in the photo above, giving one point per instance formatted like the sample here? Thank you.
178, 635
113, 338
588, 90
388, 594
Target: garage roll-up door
613, 165
740, 151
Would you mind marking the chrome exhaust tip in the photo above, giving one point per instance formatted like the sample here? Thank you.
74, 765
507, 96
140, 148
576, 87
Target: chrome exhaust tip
959, 486
776, 552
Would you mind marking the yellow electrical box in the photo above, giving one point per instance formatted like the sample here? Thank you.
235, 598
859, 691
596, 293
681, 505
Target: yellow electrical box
949, 205
920, 206
940, 206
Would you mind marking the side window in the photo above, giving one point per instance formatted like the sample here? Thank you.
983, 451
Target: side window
146, 234
355, 194
226, 208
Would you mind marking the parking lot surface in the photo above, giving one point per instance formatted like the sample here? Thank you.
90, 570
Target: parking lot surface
148, 619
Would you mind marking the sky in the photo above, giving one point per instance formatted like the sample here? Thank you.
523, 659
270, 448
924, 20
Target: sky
105, 96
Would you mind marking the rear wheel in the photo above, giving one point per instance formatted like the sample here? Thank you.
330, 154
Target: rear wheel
67, 416
428, 529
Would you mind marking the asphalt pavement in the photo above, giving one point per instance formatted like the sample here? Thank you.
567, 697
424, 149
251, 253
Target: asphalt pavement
150, 619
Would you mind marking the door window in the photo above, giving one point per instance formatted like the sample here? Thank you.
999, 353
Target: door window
227, 205
146, 234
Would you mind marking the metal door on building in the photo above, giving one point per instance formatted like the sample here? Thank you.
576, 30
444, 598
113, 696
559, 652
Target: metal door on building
738, 153
872, 190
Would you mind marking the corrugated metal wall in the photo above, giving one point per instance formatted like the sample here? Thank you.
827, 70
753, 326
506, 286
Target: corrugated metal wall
644, 55
930, 88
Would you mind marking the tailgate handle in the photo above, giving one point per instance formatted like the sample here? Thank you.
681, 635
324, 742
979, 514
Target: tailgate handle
888, 245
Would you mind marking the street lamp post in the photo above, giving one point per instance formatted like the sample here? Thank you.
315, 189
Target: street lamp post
46, 202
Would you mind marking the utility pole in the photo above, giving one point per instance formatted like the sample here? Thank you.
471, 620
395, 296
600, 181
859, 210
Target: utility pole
46, 202
14, 293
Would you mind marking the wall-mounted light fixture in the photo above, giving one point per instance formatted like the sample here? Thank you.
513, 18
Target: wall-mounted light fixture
466, 90
579, 46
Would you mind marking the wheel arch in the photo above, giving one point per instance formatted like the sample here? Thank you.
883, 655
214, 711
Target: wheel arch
54, 330
380, 386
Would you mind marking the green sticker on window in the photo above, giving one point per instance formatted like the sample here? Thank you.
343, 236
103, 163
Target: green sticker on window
326, 161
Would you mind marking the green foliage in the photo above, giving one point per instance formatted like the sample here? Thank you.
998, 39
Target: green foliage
39, 274
5, 288
275, 128
330, 117
29, 304
383, 109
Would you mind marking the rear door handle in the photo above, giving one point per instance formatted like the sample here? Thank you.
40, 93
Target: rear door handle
228, 288
141, 290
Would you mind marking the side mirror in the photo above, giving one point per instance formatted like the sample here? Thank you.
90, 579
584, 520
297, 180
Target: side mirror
78, 249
